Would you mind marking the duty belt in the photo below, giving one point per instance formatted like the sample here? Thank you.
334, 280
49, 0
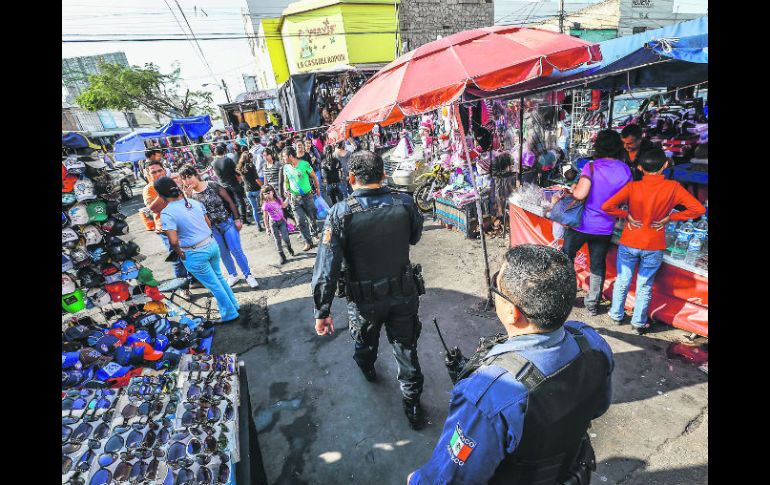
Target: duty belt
370, 291
200, 244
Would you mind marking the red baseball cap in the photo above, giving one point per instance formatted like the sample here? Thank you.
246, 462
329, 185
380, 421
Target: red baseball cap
154, 293
118, 291
120, 333
68, 183
149, 352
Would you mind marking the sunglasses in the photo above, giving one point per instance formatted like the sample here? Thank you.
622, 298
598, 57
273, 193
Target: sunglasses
496, 290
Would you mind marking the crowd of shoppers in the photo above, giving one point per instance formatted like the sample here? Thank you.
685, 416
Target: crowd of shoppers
624, 180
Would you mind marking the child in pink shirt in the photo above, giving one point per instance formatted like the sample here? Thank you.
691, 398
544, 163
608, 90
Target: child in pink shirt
272, 210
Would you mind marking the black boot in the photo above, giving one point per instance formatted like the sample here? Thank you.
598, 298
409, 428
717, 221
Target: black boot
283, 258
370, 374
414, 413
288, 247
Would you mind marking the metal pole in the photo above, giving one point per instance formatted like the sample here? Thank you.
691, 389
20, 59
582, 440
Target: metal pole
521, 141
612, 104
561, 16
478, 203
227, 93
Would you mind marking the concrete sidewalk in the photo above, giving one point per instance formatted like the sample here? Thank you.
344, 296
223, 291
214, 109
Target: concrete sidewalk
321, 422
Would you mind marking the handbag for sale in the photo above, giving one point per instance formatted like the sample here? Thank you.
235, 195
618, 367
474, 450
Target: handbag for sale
568, 211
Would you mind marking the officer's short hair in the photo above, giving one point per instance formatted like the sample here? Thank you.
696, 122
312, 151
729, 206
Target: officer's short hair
368, 167
540, 280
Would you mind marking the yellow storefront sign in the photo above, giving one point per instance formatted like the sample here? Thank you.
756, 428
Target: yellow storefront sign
314, 43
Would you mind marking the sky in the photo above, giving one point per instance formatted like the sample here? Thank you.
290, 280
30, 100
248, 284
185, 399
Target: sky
228, 59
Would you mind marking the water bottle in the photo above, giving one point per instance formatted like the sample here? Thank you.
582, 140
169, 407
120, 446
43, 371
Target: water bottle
679, 251
671, 233
693, 250
688, 228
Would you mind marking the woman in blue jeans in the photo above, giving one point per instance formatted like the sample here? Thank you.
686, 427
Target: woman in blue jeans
188, 228
225, 224
251, 183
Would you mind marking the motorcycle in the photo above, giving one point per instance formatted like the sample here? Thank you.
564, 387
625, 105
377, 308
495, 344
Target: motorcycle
432, 181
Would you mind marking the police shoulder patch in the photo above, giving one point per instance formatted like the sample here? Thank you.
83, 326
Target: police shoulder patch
460, 446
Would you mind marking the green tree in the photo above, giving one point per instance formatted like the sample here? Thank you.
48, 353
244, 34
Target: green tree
125, 88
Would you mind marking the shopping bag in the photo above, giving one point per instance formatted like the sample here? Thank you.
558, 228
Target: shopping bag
321, 207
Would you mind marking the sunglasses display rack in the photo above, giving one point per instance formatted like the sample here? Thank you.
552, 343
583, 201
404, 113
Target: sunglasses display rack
158, 429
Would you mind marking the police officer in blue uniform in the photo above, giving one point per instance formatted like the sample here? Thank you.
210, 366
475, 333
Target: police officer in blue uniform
371, 231
520, 410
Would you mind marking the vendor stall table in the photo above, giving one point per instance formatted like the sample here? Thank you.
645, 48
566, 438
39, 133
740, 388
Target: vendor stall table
680, 292
463, 218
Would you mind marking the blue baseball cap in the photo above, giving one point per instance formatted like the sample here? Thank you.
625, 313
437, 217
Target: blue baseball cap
140, 336
72, 378
169, 360
161, 342
125, 356
71, 360
119, 324
148, 319
107, 344
111, 371
94, 337
129, 270
76, 332
162, 326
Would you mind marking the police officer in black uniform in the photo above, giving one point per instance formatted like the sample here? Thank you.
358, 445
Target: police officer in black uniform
371, 232
521, 408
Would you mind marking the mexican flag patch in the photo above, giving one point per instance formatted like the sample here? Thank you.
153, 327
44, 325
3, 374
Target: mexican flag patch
460, 446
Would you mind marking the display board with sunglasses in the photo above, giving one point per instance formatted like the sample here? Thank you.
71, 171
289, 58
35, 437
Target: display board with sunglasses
144, 435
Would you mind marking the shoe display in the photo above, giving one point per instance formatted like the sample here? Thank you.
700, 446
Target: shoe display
252, 281
231, 280
414, 413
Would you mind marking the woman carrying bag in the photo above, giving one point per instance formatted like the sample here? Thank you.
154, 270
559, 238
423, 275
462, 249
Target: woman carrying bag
600, 180
225, 222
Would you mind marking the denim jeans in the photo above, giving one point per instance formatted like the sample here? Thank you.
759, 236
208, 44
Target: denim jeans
281, 231
304, 211
229, 240
649, 262
598, 245
240, 198
203, 263
179, 269
256, 211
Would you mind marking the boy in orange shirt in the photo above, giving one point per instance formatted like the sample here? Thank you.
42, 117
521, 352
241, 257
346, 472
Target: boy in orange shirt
650, 201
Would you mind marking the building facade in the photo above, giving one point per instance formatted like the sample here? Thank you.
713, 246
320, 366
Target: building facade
423, 21
617, 18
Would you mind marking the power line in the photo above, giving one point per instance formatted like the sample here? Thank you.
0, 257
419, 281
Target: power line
183, 31
208, 66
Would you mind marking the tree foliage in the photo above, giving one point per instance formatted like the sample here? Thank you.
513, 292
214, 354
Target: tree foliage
125, 88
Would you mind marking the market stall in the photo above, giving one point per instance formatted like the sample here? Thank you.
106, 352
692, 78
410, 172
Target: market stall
680, 292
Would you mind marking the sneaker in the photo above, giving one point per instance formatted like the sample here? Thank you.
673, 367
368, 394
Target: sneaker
643, 329
370, 374
593, 311
252, 281
414, 413
231, 280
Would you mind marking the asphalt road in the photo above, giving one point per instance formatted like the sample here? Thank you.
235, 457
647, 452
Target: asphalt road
320, 422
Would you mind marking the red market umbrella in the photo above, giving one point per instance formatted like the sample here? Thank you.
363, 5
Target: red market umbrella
437, 73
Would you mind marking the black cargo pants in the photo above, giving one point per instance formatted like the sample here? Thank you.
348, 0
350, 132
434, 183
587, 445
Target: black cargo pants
402, 326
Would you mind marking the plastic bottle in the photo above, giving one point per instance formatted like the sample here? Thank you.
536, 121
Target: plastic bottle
693, 250
671, 233
679, 250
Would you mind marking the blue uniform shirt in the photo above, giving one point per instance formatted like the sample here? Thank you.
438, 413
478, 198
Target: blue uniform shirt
487, 408
329, 258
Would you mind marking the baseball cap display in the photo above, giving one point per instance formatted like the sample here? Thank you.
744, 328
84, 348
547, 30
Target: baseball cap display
84, 190
118, 291
146, 277
132, 249
69, 238
98, 254
111, 371
113, 207
64, 220
97, 211
156, 307
68, 184
78, 214
153, 293
73, 302
148, 352
99, 297
90, 278
92, 235
67, 284
68, 199
115, 226
80, 257
117, 249
94, 162
129, 270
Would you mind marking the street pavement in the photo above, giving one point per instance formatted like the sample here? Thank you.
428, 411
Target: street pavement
321, 422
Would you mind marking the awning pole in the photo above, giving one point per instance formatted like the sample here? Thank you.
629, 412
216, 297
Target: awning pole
521, 141
487, 279
612, 104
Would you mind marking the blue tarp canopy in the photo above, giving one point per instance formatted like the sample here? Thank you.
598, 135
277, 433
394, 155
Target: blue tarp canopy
674, 55
76, 140
131, 147
192, 127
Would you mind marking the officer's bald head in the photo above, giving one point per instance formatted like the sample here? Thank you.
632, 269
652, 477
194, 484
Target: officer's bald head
540, 280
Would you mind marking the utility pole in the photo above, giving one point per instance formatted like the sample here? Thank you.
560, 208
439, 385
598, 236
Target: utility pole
561, 16
227, 93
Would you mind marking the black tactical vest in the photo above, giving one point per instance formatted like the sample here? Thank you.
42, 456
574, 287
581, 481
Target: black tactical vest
376, 240
554, 448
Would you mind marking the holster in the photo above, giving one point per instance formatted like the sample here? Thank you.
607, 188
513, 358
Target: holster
585, 463
419, 281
